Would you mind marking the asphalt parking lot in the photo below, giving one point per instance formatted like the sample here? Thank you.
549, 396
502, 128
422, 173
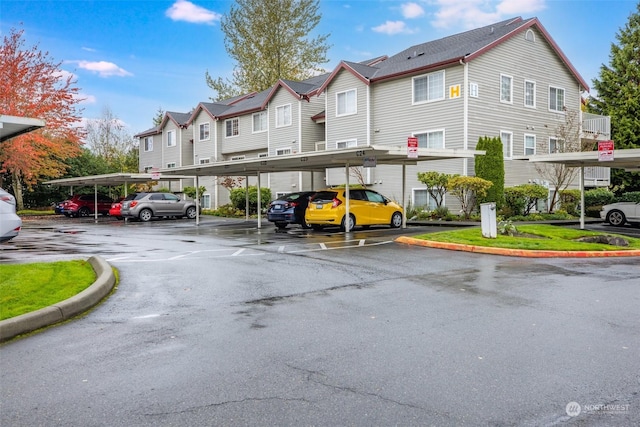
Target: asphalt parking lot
225, 324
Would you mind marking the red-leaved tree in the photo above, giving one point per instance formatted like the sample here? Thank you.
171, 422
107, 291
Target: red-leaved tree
33, 85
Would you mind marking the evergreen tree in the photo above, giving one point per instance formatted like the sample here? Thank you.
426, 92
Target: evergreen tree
270, 40
491, 167
618, 96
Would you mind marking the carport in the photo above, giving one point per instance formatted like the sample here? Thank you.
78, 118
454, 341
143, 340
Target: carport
111, 179
628, 159
12, 126
319, 161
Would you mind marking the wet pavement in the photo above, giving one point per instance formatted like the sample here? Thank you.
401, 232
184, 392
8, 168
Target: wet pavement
224, 324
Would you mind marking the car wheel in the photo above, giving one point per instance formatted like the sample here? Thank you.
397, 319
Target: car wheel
317, 227
616, 218
281, 225
396, 220
145, 215
191, 212
351, 223
84, 212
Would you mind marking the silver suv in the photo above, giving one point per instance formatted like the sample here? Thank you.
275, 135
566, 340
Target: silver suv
10, 223
145, 206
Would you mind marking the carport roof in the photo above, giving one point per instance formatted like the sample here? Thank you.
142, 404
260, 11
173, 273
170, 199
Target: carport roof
12, 126
623, 159
320, 160
111, 179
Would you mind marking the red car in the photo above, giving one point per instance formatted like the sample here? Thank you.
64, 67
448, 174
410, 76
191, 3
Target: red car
84, 204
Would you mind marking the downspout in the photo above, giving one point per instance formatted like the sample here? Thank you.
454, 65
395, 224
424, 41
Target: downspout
368, 127
465, 114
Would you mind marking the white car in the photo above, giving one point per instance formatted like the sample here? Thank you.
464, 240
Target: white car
620, 213
10, 223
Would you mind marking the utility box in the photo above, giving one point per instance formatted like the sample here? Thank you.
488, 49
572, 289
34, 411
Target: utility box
488, 218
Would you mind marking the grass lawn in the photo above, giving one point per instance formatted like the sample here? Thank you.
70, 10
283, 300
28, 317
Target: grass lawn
531, 237
29, 287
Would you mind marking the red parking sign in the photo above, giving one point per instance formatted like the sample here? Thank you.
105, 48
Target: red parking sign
412, 147
605, 151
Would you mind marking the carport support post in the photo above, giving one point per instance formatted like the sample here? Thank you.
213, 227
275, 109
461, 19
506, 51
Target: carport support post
582, 197
95, 202
259, 204
197, 201
404, 187
246, 198
347, 196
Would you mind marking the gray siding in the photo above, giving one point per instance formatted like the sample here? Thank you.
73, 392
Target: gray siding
151, 158
284, 137
349, 126
312, 132
245, 140
204, 149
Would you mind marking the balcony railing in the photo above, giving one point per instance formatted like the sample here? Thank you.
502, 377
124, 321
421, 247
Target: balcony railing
597, 176
596, 127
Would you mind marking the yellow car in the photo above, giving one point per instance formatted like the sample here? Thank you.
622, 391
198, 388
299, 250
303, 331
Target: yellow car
366, 207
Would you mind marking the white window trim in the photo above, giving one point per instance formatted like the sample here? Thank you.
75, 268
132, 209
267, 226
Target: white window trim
524, 139
509, 155
524, 101
348, 143
474, 91
564, 98
173, 138
253, 123
205, 161
510, 101
413, 196
355, 103
282, 125
559, 141
444, 134
283, 151
225, 127
148, 169
171, 165
242, 157
413, 88
208, 137
530, 36
145, 145
263, 155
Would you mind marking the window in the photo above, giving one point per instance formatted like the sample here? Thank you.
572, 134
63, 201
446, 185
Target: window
262, 155
506, 89
530, 36
507, 144
148, 169
346, 102
431, 139
529, 94
206, 201
204, 131
260, 122
231, 126
556, 145
428, 88
283, 151
473, 90
556, 99
205, 161
171, 165
171, 138
422, 199
237, 157
347, 143
529, 145
283, 115
148, 144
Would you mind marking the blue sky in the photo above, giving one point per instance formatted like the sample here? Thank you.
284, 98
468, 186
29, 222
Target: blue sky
137, 56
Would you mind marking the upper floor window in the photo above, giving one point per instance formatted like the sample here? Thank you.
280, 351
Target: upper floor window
205, 161
429, 87
431, 139
171, 138
346, 102
242, 157
260, 121
348, 143
529, 94
530, 36
148, 143
473, 90
556, 145
231, 126
283, 151
507, 144
556, 99
529, 145
204, 131
506, 88
171, 165
283, 115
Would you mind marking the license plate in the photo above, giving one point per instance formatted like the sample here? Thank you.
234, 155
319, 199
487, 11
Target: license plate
319, 206
278, 207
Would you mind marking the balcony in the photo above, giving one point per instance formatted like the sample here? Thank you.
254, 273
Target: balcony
596, 128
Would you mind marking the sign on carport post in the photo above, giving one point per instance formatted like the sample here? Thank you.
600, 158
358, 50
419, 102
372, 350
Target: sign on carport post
412, 147
605, 151
155, 174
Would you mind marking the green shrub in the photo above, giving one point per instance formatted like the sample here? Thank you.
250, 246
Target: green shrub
570, 200
491, 167
238, 198
598, 197
632, 196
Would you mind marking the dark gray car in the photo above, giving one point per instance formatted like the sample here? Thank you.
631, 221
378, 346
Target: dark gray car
145, 206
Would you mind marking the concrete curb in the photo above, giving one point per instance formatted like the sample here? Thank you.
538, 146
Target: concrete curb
517, 252
64, 310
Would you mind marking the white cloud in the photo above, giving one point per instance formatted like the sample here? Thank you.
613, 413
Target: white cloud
83, 98
476, 13
393, 27
89, 49
183, 10
104, 68
412, 10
